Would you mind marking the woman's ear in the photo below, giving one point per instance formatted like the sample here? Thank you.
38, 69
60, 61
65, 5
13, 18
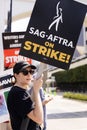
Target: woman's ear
14, 79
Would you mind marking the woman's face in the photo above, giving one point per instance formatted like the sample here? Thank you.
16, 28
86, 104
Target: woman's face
25, 76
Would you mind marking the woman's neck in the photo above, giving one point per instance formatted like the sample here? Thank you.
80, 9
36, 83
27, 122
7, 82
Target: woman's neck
24, 86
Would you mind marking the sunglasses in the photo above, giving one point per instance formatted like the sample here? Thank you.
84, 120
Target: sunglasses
26, 72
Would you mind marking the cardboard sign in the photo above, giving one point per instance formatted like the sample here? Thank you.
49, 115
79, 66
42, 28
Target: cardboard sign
4, 115
6, 82
53, 31
12, 43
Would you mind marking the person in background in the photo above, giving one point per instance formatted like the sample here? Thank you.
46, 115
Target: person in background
23, 114
45, 99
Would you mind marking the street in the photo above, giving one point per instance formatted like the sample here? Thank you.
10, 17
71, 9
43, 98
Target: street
66, 114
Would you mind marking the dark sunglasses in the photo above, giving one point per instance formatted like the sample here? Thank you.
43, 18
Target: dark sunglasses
26, 72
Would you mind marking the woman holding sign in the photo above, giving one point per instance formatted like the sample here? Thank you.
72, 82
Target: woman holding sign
24, 114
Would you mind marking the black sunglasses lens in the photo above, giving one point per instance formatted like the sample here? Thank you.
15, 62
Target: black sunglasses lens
31, 71
25, 72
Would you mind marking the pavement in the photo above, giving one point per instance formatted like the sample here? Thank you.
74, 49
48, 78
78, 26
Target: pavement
66, 114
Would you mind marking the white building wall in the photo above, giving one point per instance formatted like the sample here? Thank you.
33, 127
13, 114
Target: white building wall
2, 16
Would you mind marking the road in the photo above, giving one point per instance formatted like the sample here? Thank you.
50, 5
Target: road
66, 114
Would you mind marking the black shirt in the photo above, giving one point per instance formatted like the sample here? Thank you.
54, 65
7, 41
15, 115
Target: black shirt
19, 105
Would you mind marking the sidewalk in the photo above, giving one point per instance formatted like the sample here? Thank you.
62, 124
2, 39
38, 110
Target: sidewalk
66, 114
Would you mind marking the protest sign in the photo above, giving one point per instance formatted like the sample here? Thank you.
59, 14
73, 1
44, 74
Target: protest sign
11, 44
4, 115
53, 31
6, 82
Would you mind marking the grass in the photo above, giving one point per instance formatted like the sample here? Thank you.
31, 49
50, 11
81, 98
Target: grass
77, 96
